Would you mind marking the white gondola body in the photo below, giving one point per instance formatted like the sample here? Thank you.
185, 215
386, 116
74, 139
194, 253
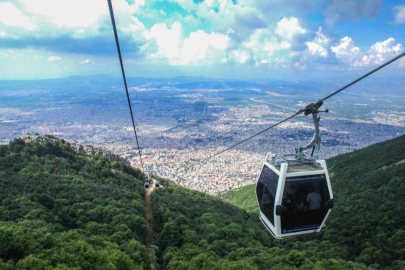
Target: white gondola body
282, 225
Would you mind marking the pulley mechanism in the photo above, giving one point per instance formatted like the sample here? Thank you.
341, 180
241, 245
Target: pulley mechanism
301, 155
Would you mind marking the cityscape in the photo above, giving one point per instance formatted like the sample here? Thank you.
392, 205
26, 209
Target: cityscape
178, 128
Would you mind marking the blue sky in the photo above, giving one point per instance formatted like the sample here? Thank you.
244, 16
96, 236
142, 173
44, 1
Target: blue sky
242, 39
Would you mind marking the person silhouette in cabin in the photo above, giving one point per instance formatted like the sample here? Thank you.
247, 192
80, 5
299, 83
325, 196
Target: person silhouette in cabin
314, 199
300, 206
289, 198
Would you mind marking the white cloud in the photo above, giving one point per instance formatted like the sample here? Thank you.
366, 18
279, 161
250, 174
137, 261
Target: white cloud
195, 47
289, 27
321, 38
267, 46
54, 58
12, 16
136, 29
137, 5
198, 47
240, 56
316, 49
78, 13
221, 15
379, 52
399, 13
4, 34
218, 41
168, 39
346, 51
87, 61
317, 46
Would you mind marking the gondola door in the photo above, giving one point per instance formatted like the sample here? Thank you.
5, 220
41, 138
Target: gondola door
268, 186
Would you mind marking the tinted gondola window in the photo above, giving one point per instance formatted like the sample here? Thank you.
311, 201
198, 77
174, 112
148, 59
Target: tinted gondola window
266, 192
305, 198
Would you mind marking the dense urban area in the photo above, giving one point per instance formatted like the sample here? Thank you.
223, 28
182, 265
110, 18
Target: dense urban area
179, 127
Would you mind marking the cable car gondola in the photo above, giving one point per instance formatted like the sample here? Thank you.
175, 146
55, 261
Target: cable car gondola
294, 193
150, 174
294, 198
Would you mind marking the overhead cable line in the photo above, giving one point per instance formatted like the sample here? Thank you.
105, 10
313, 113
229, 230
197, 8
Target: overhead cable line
308, 109
364, 76
251, 137
124, 77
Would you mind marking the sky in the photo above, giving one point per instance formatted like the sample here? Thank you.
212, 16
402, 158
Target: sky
239, 39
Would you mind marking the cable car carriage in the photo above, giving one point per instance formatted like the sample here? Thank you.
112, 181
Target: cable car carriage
294, 193
150, 174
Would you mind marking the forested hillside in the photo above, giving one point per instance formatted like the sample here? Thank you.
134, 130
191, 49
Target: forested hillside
198, 231
60, 209
63, 210
367, 224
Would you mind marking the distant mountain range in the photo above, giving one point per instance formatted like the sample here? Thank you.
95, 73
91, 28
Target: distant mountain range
387, 86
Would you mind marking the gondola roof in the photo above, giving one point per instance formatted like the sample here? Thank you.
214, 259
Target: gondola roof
294, 168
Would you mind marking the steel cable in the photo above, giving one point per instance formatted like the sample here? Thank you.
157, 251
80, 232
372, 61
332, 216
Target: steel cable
124, 77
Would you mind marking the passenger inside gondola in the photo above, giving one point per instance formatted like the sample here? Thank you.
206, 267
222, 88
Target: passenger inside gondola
314, 199
304, 199
300, 207
289, 198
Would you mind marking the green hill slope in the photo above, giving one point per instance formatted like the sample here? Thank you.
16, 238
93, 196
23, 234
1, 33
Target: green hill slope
60, 209
368, 220
63, 210
198, 231
243, 197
